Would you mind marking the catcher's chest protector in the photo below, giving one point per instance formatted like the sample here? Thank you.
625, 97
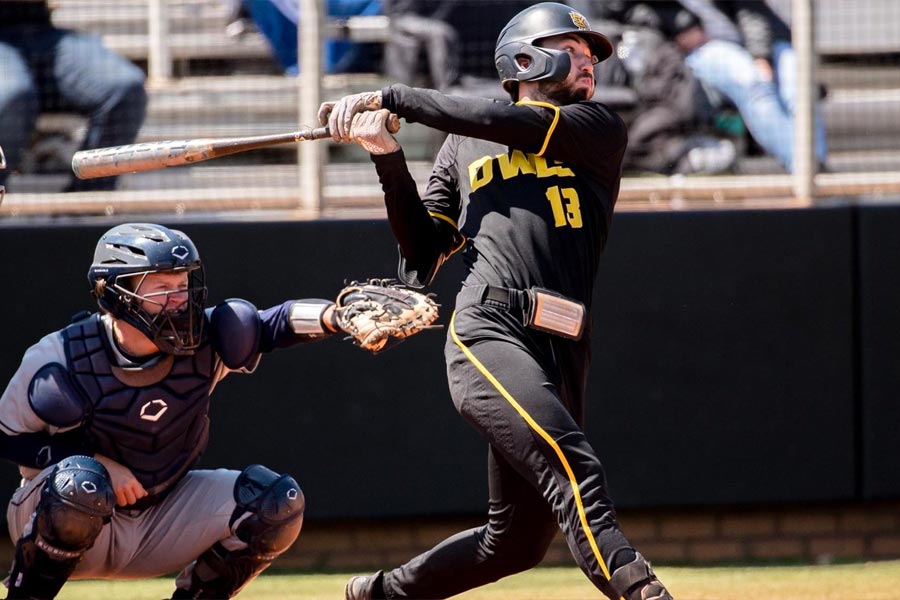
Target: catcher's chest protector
153, 430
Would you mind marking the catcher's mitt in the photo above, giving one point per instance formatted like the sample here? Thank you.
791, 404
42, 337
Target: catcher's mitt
374, 311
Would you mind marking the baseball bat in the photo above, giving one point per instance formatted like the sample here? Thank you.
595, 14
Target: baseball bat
152, 156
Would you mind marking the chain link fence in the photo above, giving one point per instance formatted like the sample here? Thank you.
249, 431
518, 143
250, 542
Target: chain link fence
225, 68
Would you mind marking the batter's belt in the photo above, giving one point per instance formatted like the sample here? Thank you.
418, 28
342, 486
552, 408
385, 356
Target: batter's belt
537, 308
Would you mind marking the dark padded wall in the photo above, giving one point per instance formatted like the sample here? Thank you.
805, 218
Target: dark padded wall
879, 268
723, 369
722, 357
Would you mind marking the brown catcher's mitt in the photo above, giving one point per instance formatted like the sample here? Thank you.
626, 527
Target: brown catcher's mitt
374, 311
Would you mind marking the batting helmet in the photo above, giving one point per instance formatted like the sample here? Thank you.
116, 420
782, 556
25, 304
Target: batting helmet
124, 257
526, 29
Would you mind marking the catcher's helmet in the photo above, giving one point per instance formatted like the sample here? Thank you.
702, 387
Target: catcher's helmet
530, 26
124, 257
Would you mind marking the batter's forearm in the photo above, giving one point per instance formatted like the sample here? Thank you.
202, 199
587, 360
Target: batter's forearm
414, 229
504, 123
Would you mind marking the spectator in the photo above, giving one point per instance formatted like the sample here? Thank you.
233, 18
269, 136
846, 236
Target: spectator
672, 130
413, 28
278, 21
742, 50
47, 69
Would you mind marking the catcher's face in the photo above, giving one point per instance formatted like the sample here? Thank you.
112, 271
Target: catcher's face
166, 306
167, 291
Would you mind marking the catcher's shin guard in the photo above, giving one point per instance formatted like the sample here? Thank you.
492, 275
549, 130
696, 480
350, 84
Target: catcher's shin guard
76, 501
637, 581
266, 521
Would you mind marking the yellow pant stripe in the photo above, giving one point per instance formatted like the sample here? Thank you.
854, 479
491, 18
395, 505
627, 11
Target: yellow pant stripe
547, 438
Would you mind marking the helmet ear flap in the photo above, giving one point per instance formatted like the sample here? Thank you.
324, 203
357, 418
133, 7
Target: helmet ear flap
544, 64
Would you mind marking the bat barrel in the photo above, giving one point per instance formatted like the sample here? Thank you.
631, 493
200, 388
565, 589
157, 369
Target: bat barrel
105, 162
152, 156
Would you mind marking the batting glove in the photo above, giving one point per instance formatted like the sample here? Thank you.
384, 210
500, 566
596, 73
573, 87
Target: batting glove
370, 131
339, 115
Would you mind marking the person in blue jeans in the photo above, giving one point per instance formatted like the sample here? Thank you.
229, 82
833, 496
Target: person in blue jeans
739, 48
278, 20
756, 71
47, 69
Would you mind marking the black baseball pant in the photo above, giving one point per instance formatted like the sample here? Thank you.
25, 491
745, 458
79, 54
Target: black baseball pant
524, 392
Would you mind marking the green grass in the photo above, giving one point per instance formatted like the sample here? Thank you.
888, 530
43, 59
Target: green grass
869, 581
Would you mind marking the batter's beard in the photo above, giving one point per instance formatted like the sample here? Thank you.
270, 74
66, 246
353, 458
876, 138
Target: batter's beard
561, 94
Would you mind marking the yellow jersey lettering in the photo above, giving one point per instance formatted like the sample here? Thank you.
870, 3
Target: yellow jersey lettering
515, 163
481, 172
562, 171
545, 170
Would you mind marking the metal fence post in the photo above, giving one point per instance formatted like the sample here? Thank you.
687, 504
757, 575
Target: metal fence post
311, 155
159, 55
802, 27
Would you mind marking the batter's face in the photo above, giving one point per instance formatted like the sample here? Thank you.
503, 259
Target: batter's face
579, 85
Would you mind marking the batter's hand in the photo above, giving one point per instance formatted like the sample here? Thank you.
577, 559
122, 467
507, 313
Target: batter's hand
339, 115
127, 488
370, 131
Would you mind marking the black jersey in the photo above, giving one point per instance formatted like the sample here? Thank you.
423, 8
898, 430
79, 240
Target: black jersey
527, 190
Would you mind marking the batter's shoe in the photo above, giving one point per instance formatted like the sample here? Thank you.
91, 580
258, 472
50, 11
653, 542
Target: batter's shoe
361, 587
637, 581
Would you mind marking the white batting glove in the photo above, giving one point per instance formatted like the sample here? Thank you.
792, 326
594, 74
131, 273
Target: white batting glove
370, 131
339, 115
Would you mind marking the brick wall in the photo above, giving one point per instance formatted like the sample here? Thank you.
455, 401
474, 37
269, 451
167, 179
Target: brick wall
814, 534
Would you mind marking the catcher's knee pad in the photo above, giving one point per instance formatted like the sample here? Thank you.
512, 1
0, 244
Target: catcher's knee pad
268, 518
269, 511
76, 501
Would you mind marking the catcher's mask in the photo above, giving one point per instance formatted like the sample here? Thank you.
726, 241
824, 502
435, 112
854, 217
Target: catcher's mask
521, 38
122, 280
2, 166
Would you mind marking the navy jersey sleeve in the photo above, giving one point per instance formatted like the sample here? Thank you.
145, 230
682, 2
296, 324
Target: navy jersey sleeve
277, 331
26, 438
575, 133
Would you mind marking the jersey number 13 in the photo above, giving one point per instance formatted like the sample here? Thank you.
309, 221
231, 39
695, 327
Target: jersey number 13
565, 205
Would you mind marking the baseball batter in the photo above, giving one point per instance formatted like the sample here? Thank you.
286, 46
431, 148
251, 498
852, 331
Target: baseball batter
108, 416
525, 191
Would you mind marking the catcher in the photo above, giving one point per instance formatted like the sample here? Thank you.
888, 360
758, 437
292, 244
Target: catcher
107, 417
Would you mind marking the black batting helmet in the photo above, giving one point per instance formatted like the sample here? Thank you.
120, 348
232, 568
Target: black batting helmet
530, 26
124, 257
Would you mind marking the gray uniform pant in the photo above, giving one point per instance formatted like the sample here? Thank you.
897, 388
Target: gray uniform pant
162, 539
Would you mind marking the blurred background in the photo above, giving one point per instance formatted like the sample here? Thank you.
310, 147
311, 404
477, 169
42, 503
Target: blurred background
232, 68
744, 389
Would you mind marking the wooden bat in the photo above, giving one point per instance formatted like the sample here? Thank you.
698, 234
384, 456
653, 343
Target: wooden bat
152, 156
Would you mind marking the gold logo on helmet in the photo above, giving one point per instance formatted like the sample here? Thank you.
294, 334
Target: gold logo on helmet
579, 20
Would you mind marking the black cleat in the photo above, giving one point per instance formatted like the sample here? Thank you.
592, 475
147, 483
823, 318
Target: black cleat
654, 590
637, 581
360, 587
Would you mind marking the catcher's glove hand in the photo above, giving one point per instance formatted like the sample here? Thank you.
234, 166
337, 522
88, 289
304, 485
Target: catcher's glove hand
374, 311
